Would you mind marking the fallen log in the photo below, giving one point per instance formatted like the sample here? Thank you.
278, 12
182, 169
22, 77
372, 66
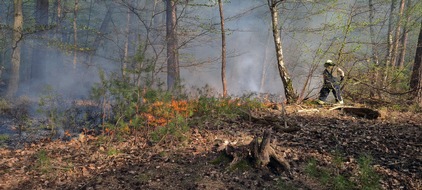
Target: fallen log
367, 113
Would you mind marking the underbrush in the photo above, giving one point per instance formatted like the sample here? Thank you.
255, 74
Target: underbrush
159, 115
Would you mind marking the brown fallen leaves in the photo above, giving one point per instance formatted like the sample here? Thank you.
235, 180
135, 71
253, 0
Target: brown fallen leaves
95, 162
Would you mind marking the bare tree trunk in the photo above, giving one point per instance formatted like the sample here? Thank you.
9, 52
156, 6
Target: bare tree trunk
173, 73
59, 14
291, 96
100, 34
37, 64
75, 34
16, 50
402, 54
223, 49
397, 36
2, 52
126, 50
416, 78
264, 65
62, 14
389, 54
374, 54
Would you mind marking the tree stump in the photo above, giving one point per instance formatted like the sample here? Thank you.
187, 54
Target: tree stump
259, 154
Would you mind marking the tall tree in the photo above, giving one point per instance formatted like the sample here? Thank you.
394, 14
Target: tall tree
397, 35
416, 78
173, 72
405, 33
285, 77
75, 34
223, 49
39, 53
99, 35
16, 49
390, 44
374, 50
126, 48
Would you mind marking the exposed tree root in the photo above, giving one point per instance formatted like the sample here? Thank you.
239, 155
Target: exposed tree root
260, 154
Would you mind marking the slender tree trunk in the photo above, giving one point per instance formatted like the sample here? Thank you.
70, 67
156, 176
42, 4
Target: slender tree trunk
264, 64
223, 49
397, 36
16, 50
173, 73
402, 54
91, 8
54, 15
289, 93
389, 54
58, 17
63, 22
100, 34
37, 64
416, 78
374, 53
75, 34
126, 50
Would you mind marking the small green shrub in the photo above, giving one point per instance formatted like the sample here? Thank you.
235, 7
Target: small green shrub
5, 106
242, 165
311, 168
415, 107
52, 105
329, 177
43, 163
112, 151
221, 159
340, 182
283, 185
4, 137
174, 130
368, 178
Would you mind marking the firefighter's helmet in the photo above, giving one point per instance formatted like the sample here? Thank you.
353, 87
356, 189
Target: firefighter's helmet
329, 63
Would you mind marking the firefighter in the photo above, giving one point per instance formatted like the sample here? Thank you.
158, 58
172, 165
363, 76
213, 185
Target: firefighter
333, 76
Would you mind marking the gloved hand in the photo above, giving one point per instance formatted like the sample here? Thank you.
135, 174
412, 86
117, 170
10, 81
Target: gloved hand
341, 78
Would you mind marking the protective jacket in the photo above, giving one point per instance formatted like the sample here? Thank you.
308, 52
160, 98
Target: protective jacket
332, 76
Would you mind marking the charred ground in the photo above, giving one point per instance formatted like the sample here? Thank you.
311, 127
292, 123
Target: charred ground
327, 150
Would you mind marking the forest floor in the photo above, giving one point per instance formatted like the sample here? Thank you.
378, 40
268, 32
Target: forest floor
330, 150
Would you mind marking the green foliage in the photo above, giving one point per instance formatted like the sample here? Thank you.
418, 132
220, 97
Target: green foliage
329, 177
43, 163
221, 159
3, 139
4, 105
225, 107
368, 178
313, 170
139, 107
174, 130
415, 107
340, 182
242, 165
112, 152
51, 104
283, 185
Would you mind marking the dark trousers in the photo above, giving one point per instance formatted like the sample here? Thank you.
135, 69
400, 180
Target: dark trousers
326, 89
